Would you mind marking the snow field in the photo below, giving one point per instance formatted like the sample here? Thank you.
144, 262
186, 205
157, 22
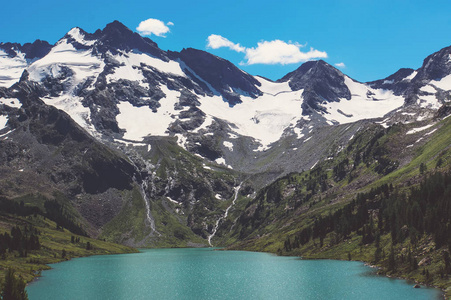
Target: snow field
415, 130
360, 106
11, 102
3, 121
11, 68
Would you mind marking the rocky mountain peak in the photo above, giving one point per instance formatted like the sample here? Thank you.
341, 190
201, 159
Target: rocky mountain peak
37, 49
116, 36
398, 82
436, 66
320, 78
223, 76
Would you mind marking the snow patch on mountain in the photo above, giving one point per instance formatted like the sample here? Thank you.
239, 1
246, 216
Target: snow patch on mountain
411, 76
228, 145
181, 140
365, 103
207, 122
298, 132
72, 105
3, 121
81, 62
11, 68
136, 59
415, 130
221, 161
139, 122
429, 101
444, 83
272, 88
79, 37
264, 118
428, 89
11, 102
127, 70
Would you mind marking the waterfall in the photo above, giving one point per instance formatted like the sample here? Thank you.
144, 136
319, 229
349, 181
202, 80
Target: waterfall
237, 189
149, 217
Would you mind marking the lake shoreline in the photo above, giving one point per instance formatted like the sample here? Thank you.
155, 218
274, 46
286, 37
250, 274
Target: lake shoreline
197, 268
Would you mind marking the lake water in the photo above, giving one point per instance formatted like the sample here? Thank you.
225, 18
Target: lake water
209, 274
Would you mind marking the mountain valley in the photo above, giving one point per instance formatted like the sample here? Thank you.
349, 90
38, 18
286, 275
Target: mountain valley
152, 148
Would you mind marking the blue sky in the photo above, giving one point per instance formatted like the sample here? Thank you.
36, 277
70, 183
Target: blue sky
372, 39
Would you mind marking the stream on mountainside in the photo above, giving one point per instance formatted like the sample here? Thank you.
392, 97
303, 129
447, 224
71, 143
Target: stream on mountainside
237, 189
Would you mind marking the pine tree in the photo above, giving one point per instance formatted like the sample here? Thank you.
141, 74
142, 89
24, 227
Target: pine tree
391, 260
13, 288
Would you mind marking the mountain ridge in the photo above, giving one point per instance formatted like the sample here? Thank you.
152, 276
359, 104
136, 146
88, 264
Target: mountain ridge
184, 129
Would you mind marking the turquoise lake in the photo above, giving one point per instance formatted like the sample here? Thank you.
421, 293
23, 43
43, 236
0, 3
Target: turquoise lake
209, 274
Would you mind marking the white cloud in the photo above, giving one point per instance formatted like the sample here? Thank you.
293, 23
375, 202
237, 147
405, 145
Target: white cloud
153, 26
268, 52
340, 65
216, 41
280, 52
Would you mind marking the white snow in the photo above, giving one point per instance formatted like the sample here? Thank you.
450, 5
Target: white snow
415, 130
314, 165
126, 72
228, 145
172, 200
220, 161
206, 167
136, 58
361, 106
207, 122
80, 37
429, 101
428, 89
298, 132
232, 136
133, 144
411, 76
431, 132
72, 105
272, 88
11, 102
181, 140
11, 68
217, 196
82, 62
444, 83
307, 139
422, 117
139, 122
3, 121
264, 118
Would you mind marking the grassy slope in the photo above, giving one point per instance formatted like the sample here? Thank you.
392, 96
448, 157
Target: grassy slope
277, 228
52, 244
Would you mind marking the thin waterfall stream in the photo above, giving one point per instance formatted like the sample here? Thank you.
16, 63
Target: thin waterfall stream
148, 213
237, 189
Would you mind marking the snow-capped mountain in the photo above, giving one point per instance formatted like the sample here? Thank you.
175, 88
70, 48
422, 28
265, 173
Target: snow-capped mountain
104, 118
121, 87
